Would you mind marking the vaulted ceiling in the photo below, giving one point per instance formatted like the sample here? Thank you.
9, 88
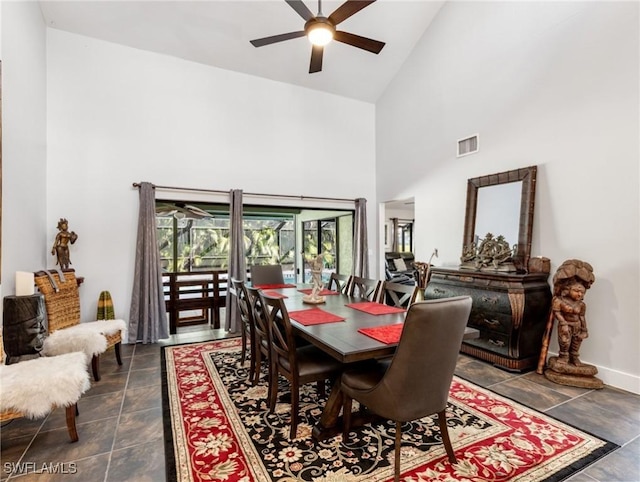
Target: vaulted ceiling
217, 33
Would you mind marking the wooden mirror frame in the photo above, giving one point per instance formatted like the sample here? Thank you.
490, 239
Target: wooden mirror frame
527, 201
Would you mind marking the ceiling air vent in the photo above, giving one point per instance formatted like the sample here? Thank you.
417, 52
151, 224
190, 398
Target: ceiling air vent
468, 145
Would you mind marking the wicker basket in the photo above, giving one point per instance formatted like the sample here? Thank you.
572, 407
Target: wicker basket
62, 300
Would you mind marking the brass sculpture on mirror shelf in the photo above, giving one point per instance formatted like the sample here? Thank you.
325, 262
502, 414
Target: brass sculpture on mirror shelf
60, 247
492, 254
500, 203
570, 283
316, 264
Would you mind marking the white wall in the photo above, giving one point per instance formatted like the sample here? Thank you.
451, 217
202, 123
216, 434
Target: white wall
553, 84
24, 209
117, 115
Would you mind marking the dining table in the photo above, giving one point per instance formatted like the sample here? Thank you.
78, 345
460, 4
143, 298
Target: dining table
339, 329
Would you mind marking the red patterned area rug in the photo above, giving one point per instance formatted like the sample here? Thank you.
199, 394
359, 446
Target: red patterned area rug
218, 428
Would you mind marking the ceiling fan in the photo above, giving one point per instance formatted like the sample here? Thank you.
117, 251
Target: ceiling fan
321, 30
181, 210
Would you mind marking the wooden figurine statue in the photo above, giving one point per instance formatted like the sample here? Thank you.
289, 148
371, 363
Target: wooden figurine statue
316, 264
61, 244
570, 283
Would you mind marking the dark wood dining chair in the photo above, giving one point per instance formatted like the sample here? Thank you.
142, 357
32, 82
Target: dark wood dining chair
261, 333
365, 288
398, 294
415, 382
267, 274
247, 326
298, 364
339, 282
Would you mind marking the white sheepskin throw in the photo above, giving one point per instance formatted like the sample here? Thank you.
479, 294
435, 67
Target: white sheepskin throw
72, 339
34, 387
106, 327
86, 337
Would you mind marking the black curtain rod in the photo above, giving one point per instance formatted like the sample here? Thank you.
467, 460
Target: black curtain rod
217, 191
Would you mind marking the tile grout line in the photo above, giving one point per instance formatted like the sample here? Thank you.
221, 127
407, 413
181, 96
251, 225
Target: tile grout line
115, 435
29, 444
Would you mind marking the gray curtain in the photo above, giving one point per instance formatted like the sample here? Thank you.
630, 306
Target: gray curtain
394, 235
148, 315
237, 266
360, 248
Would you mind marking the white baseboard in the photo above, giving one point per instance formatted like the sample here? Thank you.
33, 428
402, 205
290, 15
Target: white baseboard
615, 378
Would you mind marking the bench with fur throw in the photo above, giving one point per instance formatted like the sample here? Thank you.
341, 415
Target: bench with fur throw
34, 388
66, 332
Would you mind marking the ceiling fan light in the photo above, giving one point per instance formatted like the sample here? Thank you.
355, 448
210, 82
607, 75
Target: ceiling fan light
320, 34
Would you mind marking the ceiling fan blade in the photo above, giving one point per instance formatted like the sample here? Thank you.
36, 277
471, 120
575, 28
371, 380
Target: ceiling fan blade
347, 9
277, 38
363, 43
316, 59
301, 8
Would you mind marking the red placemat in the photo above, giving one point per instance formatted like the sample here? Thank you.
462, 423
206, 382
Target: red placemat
277, 286
273, 294
324, 292
314, 316
386, 334
375, 308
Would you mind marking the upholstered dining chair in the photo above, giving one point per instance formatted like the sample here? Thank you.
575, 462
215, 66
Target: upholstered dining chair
298, 364
415, 382
365, 288
247, 326
267, 274
398, 294
261, 334
339, 282
66, 332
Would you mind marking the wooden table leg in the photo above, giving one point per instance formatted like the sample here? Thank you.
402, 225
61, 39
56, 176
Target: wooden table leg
330, 424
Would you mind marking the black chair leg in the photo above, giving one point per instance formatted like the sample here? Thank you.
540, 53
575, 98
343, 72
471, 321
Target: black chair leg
243, 336
95, 367
273, 388
396, 473
118, 353
444, 432
295, 399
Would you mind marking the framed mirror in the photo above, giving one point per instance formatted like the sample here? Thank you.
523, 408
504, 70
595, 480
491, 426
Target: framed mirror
502, 204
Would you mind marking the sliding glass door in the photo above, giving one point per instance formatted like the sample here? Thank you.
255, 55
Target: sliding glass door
320, 237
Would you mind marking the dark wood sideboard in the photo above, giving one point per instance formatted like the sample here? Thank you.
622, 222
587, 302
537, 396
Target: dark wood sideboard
510, 311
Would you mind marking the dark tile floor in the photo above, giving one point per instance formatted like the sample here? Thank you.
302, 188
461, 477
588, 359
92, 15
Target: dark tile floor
121, 438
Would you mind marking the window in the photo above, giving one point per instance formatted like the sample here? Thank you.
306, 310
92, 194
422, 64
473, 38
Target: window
196, 238
405, 237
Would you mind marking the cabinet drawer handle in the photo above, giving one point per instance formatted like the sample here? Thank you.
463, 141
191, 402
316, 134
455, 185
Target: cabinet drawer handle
438, 291
496, 343
486, 299
491, 322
